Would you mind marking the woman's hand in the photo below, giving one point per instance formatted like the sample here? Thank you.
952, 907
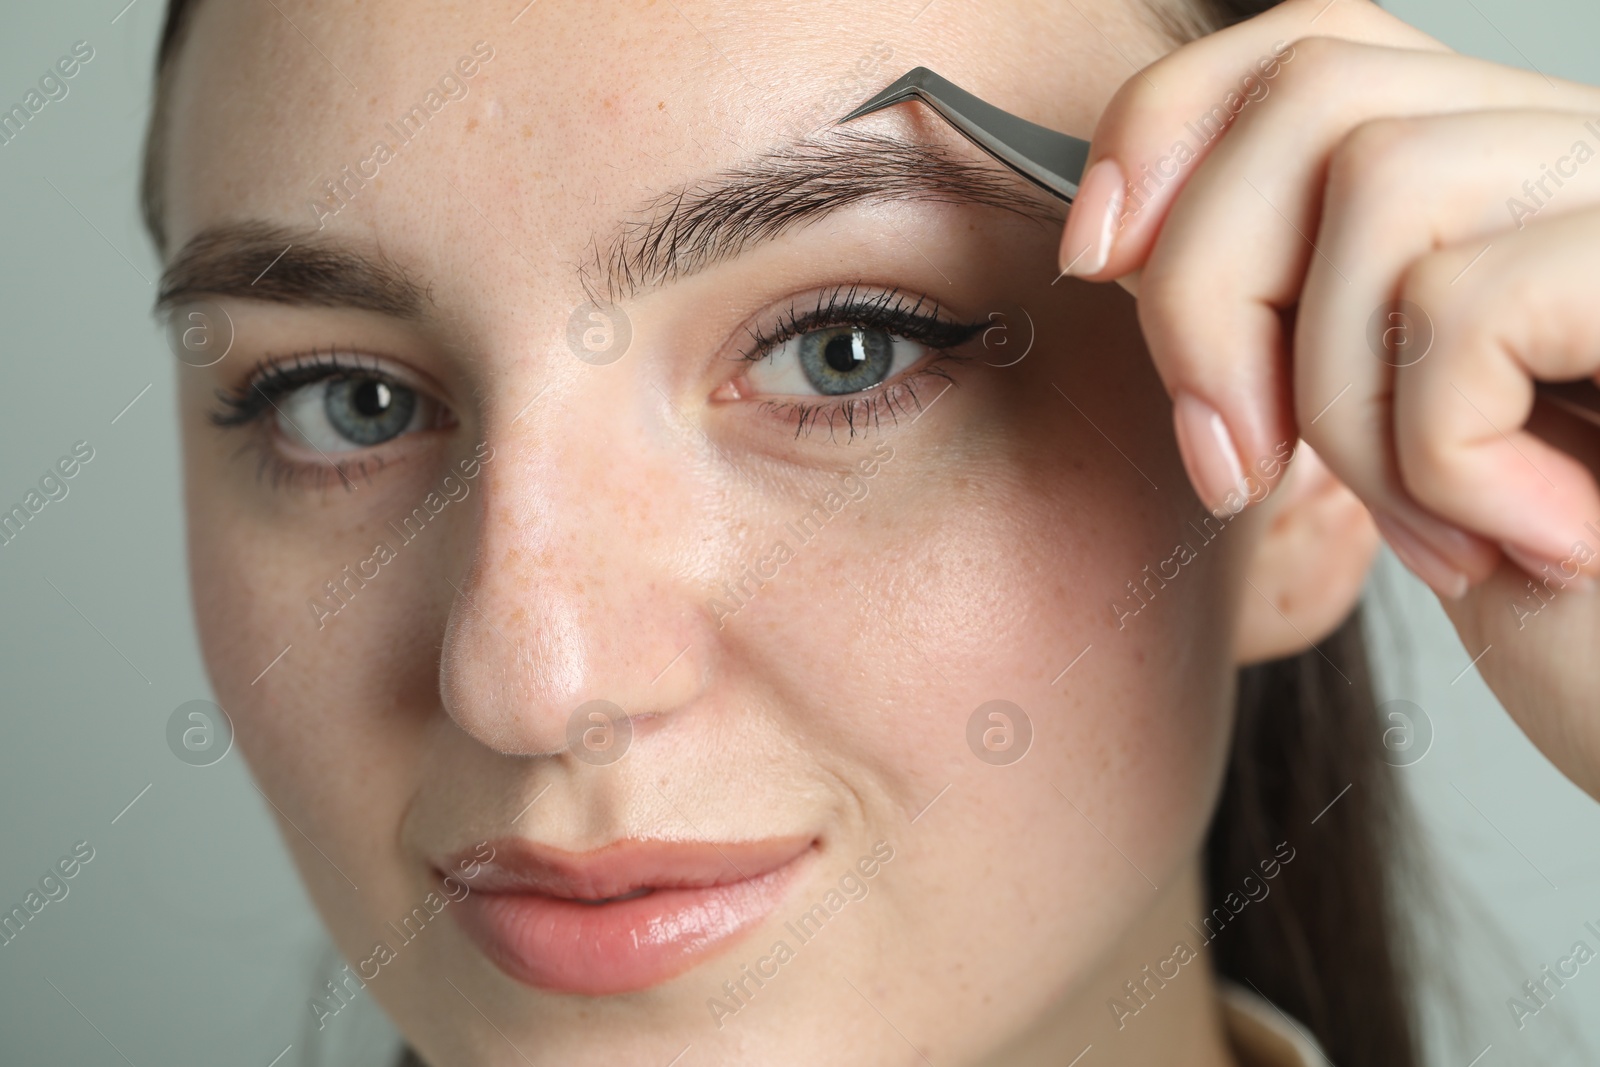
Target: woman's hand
1383, 250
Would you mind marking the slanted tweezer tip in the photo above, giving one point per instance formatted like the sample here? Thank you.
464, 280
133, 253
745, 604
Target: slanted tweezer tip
1050, 159
902, 89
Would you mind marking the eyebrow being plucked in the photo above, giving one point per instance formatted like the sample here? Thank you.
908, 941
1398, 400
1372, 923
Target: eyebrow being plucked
713, 219
288, 265
674, 234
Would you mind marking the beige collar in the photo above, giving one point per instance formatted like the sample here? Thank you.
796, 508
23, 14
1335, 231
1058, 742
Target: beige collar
1262, 1034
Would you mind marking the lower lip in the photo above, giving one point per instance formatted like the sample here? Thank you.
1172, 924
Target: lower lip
620, 947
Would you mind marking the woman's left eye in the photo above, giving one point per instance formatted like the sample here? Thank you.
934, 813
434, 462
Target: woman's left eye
833, 361
344, 414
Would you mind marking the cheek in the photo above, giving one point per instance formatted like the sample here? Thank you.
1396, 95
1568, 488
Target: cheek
893, 627
957, 583
321, 715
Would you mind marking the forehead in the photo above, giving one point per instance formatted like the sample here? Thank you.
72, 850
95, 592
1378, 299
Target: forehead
539, 127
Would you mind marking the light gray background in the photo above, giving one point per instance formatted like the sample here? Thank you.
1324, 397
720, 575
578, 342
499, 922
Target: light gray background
188, 940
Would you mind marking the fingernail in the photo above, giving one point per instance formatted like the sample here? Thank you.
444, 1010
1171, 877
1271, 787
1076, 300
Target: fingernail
1451, 542
1208, 451
1092, 222
1442, 576
1539, 567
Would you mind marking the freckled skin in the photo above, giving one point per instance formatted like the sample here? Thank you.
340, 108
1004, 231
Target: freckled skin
424, 715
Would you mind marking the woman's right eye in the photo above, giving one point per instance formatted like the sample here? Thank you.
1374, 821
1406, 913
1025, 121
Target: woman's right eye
835, 361
344, 414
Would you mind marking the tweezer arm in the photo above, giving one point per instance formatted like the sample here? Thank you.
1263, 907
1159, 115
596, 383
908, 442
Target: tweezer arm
1051, 160
1054, 162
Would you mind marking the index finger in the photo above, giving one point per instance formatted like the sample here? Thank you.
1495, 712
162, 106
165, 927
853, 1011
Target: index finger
1167, 118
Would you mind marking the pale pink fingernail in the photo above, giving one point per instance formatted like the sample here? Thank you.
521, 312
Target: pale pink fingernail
1209, 454
1459, 548
1092, 222
1442, 576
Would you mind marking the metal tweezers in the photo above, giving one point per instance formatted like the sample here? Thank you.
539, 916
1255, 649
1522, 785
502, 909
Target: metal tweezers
1054, 161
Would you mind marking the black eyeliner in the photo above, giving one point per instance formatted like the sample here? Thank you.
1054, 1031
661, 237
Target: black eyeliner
891, 311
273, 379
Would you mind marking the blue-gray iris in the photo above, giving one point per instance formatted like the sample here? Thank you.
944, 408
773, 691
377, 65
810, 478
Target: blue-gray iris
845, 359
366, 411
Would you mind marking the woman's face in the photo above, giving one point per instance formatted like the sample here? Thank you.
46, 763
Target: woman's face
795, 587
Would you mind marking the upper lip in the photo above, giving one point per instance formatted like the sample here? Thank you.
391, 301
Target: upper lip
625, 866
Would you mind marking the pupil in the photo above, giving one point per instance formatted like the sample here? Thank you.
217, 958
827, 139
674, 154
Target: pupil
372, 398
840, 352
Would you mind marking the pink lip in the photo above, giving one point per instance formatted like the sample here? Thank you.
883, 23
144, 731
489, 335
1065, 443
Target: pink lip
624, 917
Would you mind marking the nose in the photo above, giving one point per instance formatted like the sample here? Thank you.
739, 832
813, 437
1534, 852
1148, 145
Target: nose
580, 589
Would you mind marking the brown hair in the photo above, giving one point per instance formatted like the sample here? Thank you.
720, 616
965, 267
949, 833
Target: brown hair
173, 29
1326, 944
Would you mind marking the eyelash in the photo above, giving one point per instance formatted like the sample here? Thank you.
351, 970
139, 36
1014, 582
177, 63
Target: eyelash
272, 380
269, 382
890, 311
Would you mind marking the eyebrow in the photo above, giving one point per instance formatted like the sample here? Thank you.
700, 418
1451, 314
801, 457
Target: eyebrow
288, 265
676, 233
705, 222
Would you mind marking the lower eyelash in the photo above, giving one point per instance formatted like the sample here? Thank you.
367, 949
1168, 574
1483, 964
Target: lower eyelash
248, 406
318, 477
863, 412
914, 318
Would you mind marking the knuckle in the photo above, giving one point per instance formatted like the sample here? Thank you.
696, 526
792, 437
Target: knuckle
1134, 97
1465, 293
1305, 411
1313, 70
1326, 434
1339, 419
1376, 165
1130, 111
1315, 434
1375, 192
1430, 470
1429, 283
